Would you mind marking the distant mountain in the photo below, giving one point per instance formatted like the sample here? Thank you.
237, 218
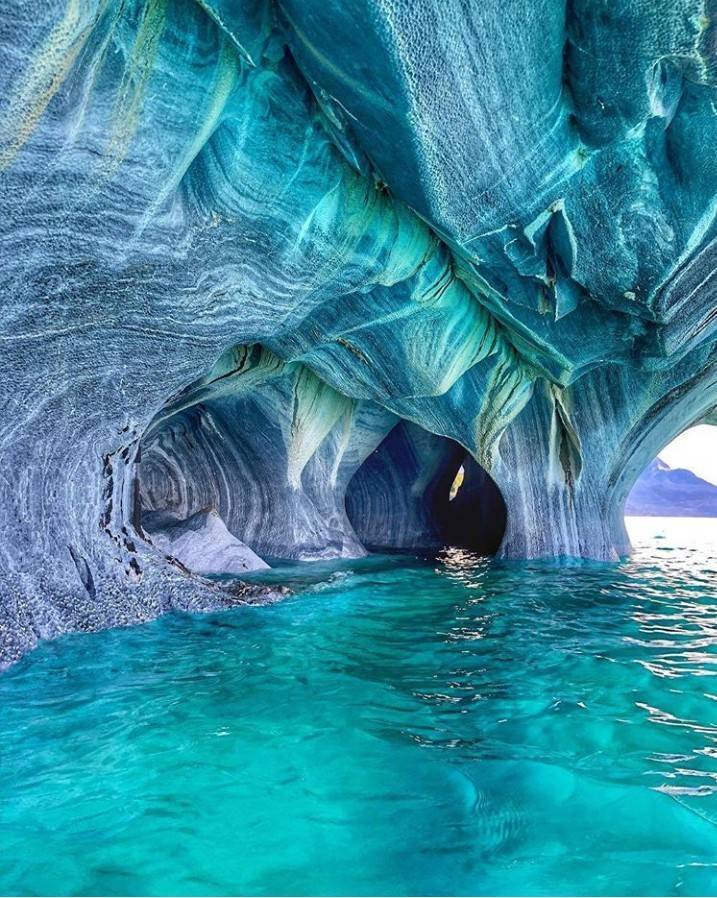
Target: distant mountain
671, 492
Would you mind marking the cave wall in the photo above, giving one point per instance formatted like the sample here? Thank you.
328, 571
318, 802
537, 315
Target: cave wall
272, 449
495, 221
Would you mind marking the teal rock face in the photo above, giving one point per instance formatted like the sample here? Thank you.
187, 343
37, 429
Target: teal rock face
296, 263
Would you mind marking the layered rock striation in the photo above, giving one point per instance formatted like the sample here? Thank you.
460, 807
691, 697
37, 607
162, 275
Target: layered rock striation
298, 262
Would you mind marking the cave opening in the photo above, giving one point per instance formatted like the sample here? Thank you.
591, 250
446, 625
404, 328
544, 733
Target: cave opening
674, 499
422, 492
681, 481
261, 461
457, 483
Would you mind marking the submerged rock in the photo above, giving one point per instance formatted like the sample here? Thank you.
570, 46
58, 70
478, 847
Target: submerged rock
245, 242
201, 543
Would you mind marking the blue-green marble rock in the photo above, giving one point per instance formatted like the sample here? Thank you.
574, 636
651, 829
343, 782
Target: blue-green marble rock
243, 242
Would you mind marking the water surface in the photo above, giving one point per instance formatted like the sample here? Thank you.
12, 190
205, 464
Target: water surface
398, 727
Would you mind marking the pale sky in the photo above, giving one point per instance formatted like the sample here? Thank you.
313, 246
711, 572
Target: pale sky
695, 449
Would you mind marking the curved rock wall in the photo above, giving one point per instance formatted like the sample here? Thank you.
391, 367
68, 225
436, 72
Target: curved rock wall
495, 220
271, 448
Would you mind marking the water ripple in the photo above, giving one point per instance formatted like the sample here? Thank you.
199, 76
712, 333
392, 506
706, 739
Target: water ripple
398, 727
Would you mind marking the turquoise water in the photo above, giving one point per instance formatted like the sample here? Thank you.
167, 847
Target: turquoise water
398, 727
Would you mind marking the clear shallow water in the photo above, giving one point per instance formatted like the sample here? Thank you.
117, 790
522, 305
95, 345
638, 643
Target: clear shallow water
398, 727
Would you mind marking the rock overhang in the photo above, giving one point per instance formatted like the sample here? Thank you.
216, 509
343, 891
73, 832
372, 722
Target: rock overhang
472, 219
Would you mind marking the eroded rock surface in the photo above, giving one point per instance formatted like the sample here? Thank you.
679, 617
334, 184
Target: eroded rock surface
201, 543
243, 242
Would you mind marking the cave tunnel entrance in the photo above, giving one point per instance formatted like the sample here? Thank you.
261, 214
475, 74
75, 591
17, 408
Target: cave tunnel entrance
261, 460
681, 481
422, 492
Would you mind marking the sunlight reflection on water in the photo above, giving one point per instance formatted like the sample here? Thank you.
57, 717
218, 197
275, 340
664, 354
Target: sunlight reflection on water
397, 727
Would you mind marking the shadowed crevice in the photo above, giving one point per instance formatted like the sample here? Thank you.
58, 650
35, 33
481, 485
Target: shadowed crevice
400, 498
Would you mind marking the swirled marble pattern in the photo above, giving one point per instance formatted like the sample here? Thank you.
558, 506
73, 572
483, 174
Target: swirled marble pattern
244, 241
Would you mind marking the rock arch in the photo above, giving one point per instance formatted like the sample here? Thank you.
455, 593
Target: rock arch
566, 464
479, 251
399, 499
270, 447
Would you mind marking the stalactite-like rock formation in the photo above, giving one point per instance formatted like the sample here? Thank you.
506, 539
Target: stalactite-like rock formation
277, 261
